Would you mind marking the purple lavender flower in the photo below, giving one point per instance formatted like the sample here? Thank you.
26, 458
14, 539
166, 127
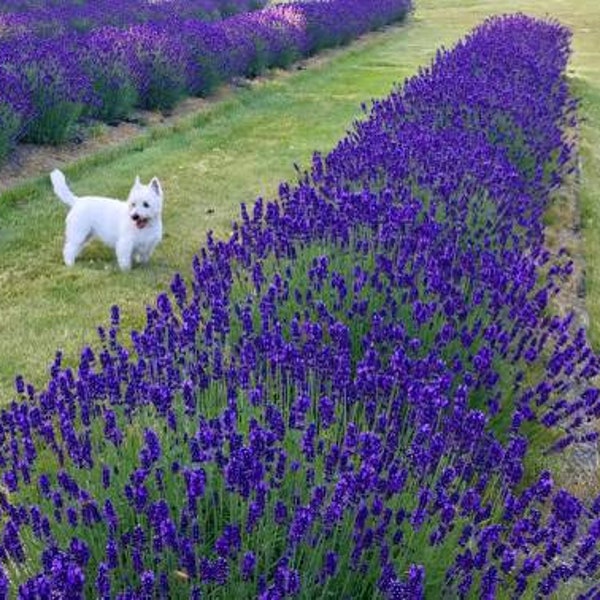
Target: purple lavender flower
148, 581
103, 585
4, 584
248, 566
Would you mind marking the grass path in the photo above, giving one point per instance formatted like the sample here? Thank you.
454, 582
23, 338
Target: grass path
235, 151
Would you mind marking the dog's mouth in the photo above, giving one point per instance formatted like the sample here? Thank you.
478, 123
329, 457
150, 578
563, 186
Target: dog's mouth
140, 222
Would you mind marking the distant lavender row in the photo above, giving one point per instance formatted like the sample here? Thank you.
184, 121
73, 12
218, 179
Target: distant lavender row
48, 84
51, 18
334, 404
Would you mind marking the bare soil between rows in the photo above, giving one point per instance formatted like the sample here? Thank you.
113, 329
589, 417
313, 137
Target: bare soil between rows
29, 161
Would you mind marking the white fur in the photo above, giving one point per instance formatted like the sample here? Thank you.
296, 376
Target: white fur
113, 221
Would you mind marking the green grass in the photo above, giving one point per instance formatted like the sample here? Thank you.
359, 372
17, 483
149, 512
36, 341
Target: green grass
588, 89
235, 150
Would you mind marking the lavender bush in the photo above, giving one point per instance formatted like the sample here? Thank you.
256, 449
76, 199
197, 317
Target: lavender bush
13, 109
53, 85
155, 66
106, 64
106, 70
334, 402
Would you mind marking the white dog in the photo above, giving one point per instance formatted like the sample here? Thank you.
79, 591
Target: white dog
132, 228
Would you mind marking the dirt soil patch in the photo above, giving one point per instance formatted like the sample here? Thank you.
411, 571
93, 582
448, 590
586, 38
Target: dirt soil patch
28, 161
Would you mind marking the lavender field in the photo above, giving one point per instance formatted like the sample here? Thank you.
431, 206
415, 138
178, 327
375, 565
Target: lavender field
57, 17
336, 402
73, 62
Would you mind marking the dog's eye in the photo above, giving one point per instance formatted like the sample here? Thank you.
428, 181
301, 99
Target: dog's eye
146, 205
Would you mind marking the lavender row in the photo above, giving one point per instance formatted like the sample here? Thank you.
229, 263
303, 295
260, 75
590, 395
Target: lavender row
48, 84
50, 19
334, 402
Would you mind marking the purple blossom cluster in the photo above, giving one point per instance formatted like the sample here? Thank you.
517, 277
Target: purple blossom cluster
333, 402
81, 60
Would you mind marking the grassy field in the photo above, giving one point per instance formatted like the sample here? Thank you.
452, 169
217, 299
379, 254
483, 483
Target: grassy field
234, 151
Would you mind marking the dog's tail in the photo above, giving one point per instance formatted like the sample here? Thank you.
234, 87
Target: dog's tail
61, 189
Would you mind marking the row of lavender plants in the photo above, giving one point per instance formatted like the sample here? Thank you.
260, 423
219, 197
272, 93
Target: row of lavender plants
48, 84
334, 403
56, 17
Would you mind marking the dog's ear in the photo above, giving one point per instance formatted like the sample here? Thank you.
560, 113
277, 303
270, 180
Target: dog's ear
137, 180
155, 185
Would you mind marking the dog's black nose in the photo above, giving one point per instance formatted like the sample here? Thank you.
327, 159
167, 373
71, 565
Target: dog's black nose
135, 217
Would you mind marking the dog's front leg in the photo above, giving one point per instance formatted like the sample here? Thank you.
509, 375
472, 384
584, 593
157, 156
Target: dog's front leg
145, 255
124, 251
146, 252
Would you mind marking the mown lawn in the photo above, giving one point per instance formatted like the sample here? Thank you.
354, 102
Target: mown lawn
234, 151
